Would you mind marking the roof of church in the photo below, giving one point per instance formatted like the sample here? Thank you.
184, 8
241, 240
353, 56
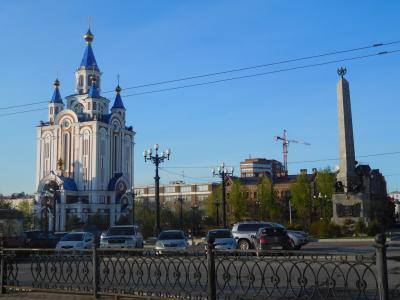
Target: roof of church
56, 95
94, 91
118, 100
88, 59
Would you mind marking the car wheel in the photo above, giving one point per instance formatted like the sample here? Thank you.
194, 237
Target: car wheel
244, 245
291, 243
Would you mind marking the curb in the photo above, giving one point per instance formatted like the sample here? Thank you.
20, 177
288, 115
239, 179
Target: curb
342, 240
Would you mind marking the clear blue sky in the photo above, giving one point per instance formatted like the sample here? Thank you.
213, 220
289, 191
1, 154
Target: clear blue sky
150, 41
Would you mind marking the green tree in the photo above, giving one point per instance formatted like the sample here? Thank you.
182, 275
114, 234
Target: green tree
144, 217
269, 208
26, 207
209, 205
325, 185
237, 201
5, 204
301, 198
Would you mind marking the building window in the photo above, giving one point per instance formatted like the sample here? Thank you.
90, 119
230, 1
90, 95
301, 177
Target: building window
202, 188
186, 189
66, 151
151, 191
80, 83
169, 189
51, 110
94, 105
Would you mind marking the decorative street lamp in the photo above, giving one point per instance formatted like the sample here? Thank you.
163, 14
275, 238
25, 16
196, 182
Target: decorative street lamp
217, 203
156, 160
322, 200
223, 172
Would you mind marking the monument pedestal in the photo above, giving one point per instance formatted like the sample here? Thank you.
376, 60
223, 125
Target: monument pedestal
348, 206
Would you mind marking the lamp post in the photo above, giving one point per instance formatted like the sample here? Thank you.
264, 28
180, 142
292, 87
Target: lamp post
223, 172
217, 204
156, 160
194, 207
180, 199
258, 204
322, 200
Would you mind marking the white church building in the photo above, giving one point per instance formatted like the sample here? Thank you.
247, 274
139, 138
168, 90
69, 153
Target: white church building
84, 151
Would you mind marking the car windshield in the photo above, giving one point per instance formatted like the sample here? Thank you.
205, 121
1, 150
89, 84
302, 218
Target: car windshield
171, 235
121, 231
220, 234
73, 237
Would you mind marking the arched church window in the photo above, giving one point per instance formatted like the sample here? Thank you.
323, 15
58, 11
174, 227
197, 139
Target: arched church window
66, 150
51, 110
80, 80
78, 108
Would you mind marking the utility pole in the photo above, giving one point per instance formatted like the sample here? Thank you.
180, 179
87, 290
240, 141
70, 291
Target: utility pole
223, 172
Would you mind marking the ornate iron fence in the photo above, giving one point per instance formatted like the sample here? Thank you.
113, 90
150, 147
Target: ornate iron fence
198, 275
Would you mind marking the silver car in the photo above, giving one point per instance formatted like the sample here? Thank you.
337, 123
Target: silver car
171, 240
122, 236
297, 239
223, 239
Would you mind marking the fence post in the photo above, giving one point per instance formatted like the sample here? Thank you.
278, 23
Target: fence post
95, 271
3, 272
212, 289
381, 266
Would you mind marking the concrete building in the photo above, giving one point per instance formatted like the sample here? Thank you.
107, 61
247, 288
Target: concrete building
84, 162
193, 193
256, 167
360, 192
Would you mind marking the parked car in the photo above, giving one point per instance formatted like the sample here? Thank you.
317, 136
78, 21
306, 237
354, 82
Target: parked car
243, 232
171, 239
40, 239
271, 237
93, 229
122, 236
297, 239
394, 241
223, 239
76, 240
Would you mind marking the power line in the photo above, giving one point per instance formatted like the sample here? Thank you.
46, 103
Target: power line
259, 66
262, 74
292, 162
21, 112
229, 71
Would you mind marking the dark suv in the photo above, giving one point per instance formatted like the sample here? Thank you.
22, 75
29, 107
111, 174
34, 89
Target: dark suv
40, 239
244, 233
271, 237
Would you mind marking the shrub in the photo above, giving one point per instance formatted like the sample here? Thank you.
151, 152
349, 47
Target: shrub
325, 229
360, 227
374, 228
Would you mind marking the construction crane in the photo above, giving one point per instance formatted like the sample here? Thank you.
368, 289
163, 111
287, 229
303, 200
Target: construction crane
285, 147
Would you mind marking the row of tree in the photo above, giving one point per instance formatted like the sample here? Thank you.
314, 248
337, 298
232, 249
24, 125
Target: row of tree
308, 200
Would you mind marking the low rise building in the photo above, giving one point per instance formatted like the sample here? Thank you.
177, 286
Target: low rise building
257, 167
192, 193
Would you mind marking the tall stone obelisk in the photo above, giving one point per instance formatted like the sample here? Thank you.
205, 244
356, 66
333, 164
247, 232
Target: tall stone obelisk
346, 173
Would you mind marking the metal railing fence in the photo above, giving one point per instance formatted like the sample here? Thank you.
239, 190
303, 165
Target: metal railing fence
214, 274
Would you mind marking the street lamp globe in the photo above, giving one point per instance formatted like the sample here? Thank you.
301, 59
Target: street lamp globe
156, 146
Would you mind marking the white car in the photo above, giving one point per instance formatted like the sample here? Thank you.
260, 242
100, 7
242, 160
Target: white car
171, 240
76, 240
122, 236
223, 239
